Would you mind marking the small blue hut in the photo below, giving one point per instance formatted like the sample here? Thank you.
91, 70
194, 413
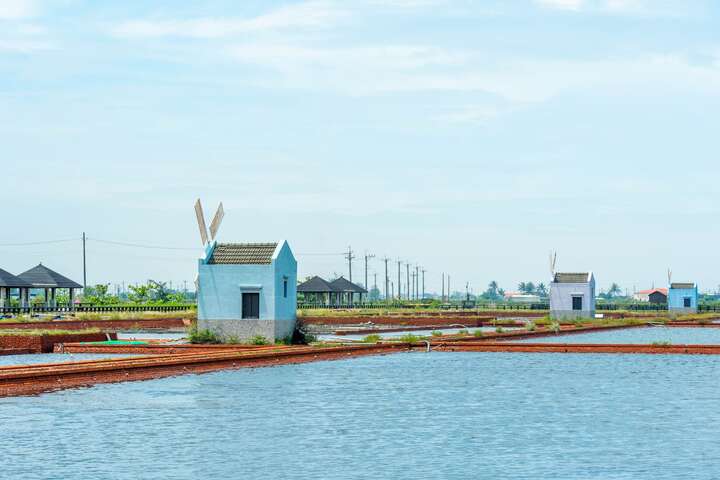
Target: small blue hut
683, 298
247, 290
572, 296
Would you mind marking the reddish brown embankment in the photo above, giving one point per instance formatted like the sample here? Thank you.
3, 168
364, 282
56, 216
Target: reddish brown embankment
16, 344
33, 379
104, 325
577, 348
415, 321
157, 349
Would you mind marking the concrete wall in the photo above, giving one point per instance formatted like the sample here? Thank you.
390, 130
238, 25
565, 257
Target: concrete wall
676, 298
561, 295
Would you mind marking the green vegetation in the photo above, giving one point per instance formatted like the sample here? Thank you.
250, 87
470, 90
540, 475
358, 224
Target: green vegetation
372, 338
436, 333
662, 343
554, 327
202, 336
499, 330
38, 332
478, 333
410, 338
464, 331
259, 340
530, 327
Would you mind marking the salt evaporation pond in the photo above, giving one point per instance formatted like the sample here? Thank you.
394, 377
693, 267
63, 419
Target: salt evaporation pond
33, 358
640, 335
419, 333
401, 416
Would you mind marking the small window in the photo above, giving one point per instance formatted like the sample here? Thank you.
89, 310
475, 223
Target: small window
687, 302
577, 303
250, 305
285, 288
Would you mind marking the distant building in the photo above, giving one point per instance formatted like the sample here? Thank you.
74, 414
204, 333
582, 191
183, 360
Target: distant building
683, 298
572, 295
338, 292
519, 297
654, 295
247, 290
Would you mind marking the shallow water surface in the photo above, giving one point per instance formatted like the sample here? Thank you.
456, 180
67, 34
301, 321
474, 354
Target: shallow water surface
402, 416
30, 359
419, 333
642, 335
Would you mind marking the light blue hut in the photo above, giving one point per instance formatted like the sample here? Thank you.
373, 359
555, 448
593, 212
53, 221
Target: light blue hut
247, 290
572, 296
683, 298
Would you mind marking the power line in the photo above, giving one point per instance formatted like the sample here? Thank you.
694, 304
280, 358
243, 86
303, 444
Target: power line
138, 245
44, 242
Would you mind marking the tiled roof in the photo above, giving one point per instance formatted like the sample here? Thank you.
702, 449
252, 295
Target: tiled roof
315, 285
343, 285
682, 285
43, 277
664, 291
243, 253
571, 277
7, 279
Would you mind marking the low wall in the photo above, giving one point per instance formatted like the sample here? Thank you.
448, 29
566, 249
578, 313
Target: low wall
46, 343
104, 325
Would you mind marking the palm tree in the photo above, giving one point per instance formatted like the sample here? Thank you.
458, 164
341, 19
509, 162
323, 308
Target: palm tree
541, 290
522, 286
614, 290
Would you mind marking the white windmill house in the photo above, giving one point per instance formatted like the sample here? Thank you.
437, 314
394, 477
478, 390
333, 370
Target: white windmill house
572, 295
245, 290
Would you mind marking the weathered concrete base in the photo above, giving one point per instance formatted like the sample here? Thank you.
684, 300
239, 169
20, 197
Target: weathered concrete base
682, 311
244, 330
571, 314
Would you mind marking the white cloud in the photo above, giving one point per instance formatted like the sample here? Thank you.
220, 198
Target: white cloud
561, 4
303, 15
15, 9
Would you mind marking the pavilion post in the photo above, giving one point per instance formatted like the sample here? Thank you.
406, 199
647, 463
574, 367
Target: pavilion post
71, 296
3, 296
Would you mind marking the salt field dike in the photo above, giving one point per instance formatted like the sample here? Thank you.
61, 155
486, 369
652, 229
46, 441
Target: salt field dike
360, 239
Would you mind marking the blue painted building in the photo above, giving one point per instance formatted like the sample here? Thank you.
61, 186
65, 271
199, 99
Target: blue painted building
683, 298
572, 296
247, 290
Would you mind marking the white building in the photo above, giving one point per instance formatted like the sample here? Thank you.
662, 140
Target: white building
572, 295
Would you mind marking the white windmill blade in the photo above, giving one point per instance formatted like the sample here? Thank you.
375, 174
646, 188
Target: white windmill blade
216, 221
201, 222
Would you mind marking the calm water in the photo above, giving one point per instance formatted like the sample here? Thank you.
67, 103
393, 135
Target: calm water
404, 416
54, 357
419, 333
648, 335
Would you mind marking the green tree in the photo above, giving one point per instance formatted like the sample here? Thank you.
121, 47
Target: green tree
614, 290
139, 293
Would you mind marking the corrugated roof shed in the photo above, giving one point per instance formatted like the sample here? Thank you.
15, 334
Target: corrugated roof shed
343, 285
315, 285
683, 286
243, 253
43, 277
8, 280
572, 277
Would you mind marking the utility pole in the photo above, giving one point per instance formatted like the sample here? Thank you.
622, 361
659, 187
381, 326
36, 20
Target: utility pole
366, 264
442, 297
387, 279
350, 258
407, 287
399, 296
423, 283
417, 282
392, 289
449, 294
84, 264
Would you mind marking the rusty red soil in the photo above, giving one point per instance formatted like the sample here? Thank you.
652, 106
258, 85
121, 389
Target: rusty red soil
104, 325
33, 379
576, 348
45, 343
158, 349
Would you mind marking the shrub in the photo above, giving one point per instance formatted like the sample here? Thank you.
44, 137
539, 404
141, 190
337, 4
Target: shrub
202, 336
302, 337
259, 340
499, 330
530, 326
436, 333
554, 327
372, 338
409, 338
663, 343
233, 340
478, 333
464, 331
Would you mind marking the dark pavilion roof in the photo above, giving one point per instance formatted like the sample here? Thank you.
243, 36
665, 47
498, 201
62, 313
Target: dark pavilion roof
243, 253
315, 285
572, 277
43, 277
7, 279
682, 286
343, 285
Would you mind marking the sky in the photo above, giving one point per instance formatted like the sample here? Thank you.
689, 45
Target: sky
467, 137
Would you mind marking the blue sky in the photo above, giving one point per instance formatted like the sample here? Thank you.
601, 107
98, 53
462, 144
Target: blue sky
467, 137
